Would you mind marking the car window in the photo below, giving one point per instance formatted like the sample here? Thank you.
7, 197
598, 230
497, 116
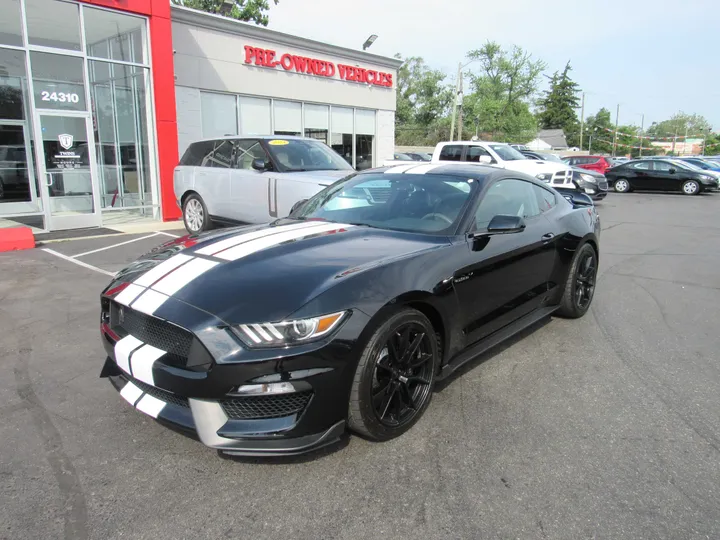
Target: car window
545, 198
246, 151
662, 166
642, 165
422, 203
474, 153
297, 155
221, 156
506, 152
451, 152
197, 153
507, 197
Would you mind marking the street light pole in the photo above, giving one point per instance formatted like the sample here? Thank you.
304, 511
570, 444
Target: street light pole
460, 111
455, 101
617, 119
642, 126
582, 119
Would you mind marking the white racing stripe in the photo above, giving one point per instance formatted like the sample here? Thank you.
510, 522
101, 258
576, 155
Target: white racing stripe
142, 362
149, 301
242, 238
151, 405
128, 294
130, 393
176, 280
162, 269
243, 250
123, 349
422, 169
400, 169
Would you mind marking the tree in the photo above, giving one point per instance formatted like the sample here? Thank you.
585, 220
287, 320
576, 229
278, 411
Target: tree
599, 132
242, 10
679, 124
502, 91
558, 105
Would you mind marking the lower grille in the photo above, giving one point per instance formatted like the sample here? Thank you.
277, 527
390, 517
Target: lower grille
602, 184
272, 406
159, 393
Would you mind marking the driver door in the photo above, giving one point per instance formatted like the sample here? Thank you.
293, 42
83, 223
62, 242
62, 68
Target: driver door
509, 276
251, 191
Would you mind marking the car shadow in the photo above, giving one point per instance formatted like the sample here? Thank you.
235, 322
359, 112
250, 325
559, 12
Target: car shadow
487, 355
299, 459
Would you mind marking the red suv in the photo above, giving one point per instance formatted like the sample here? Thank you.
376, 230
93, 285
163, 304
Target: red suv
592, 163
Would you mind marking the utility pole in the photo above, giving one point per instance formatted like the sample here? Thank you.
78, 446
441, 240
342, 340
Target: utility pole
677, 125
705, 131
460, 111
455, 101
617, 119
582, 119
685, 141
642, 126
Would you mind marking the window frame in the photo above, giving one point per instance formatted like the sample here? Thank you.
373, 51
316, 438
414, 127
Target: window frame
251, 142
473, 209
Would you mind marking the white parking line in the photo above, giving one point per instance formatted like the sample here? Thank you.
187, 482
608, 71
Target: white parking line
168, 234
79, 263
114, 245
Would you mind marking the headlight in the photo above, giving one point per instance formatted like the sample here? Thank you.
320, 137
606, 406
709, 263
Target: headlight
282, 334
545, 177
706, 177
589, 178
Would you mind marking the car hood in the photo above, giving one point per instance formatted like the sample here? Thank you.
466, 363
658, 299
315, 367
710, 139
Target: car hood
534, 167
322, 177
265, 273
587, 171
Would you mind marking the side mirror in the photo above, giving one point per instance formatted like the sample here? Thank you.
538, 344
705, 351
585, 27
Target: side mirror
672, 171
297, 206
577, 198
259, 164
502, 224
487, 160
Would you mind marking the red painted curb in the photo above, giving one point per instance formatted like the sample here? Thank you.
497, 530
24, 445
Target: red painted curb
16, 238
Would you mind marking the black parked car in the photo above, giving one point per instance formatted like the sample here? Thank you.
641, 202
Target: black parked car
591, 182
660, 174
273, 339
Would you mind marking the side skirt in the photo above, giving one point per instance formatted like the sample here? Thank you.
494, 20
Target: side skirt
494, 339
226, 222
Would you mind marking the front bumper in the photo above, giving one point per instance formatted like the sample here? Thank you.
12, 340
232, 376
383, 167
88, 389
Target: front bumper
597, 191
198, 394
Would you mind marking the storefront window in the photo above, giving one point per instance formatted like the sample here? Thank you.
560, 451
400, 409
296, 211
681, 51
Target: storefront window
51, 23
11, 24
219, 114
364, 138
316, 122
58, 81
13, 85
288, 118
342, 132
114, 36
119, 95
254, 116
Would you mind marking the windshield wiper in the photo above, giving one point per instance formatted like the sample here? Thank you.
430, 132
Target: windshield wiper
365, 225
295, 170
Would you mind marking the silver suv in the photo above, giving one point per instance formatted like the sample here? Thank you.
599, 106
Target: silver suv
251, 179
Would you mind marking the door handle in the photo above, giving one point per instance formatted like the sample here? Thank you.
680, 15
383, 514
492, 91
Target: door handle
51, 180
547, 237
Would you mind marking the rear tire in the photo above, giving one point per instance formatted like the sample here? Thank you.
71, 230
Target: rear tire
690, 187
195, 214
395, 376
580, 283
621, 185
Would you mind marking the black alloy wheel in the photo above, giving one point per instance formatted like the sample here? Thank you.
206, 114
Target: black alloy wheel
395, 376
580, 283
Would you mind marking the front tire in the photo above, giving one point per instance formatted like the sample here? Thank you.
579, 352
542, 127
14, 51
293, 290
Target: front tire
195, 214
580, 283
395, 376
621, 185
690, 187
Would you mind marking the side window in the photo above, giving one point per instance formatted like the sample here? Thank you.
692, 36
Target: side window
507, 197
662, 166
545, 198
222, 156
197, 153
642, 165
474, 153
246, 151
451, 152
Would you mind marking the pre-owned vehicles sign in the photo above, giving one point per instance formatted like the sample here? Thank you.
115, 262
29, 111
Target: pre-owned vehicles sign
313, 66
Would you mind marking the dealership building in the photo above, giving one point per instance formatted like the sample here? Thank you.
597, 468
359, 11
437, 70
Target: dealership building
99, 98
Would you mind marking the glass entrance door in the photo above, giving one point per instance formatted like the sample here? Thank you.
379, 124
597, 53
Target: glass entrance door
67, 162
18, 191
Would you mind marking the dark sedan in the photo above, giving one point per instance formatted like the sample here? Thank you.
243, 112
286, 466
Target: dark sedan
274, 339
660, 175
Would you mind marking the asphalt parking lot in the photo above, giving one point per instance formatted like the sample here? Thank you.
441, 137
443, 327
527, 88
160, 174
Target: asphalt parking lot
604, 427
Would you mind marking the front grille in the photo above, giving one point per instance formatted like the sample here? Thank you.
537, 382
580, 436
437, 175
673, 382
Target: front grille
160, 334
272, 406
602, 184
159, 393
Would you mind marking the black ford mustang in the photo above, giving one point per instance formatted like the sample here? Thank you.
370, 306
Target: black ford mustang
274, 339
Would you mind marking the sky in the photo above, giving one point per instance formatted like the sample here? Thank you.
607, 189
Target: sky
652, 57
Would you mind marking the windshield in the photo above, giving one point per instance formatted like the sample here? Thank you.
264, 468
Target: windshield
552, 157
421, 203
402, 157
507, 152
293, 155
685, 165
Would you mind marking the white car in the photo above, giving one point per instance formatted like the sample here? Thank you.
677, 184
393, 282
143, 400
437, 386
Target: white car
251, 179
504, 156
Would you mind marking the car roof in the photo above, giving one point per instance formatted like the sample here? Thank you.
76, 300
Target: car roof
475, 171
256, 137
467, 143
